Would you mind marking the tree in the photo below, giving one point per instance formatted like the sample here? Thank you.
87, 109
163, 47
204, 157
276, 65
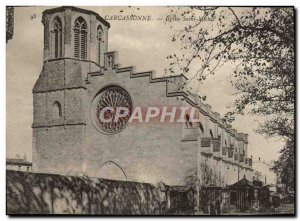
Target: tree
284, 166
259, 43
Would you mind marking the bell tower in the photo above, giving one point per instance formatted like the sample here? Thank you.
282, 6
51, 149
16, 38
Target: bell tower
75, 41
74, 33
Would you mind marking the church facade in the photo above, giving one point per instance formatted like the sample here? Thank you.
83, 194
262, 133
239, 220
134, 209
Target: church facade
80, 77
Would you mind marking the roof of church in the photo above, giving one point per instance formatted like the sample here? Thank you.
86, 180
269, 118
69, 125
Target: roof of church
85, 11
206, 109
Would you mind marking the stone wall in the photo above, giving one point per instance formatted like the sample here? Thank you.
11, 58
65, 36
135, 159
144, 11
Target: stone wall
48, 154
37, 193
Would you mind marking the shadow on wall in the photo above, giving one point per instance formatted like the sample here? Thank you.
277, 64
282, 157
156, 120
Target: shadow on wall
36, 193
209, 177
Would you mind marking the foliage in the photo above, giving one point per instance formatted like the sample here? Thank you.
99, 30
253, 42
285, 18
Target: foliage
284, 166
259, 44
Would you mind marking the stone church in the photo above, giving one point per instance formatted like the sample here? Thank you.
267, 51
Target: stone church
80, 75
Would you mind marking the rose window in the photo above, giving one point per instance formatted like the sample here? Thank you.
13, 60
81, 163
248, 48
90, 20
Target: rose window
113, 108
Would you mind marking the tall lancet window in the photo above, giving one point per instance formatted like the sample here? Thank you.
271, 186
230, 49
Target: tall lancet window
100, 39
57, 37
80, 38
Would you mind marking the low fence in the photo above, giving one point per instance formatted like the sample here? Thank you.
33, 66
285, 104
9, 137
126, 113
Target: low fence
37, 193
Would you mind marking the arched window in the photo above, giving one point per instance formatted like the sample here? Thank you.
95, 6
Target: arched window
57, 37
211, 134
57, 110
80, 38
100, 39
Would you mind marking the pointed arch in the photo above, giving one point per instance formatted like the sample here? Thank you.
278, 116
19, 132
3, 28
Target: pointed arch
105, 170
57, 37
80, 38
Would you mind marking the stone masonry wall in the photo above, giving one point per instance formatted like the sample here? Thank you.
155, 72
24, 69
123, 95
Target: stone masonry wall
50, 157
36, 193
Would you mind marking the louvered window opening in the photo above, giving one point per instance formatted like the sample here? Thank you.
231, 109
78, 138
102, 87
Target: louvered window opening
80, 39
57, 31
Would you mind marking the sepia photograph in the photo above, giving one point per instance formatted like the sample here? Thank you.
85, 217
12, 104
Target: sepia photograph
150, 110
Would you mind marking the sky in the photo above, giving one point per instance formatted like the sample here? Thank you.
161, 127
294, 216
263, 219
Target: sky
142, 44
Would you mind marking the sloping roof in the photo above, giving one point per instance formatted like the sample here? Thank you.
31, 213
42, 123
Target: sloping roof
243, 183
18, 162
